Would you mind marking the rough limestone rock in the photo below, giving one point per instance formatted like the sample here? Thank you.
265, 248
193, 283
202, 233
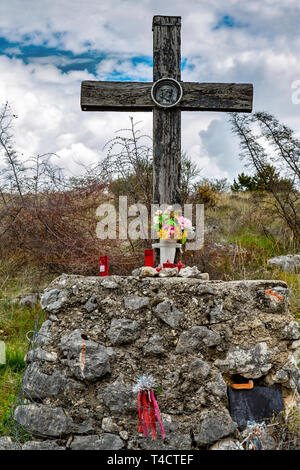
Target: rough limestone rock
123, 331
104, 442
215, 426
146, 271
29, 300
226, 444
199, 369
91, 304
6, 443
43, 420
168, 313
193, 272
192, 335
44, 335
118, 397
168, 272
42, 445
250, 363
196, 338
96, 362
288, 263
136, 303
155, 346
53, 300
39, 355
37, 385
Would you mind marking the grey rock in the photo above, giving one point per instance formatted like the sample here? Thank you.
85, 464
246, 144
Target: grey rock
136, 272
40, 355
275, 300
109, 283
215, 425
96, 358
108, 425
291, 331
289, 374
44, 336
288, 263
94, 442
43, 420
193, 272
154, 347
199, 369
168, 313
53, 300
194, 338
136, 303
148, 271
29, 300
217, 387
217, 314
226, 444
123, 331
124, 435
168, 272
36, 384
176, 439
42, 445
118, 397
91, 304
172, 442
189, 272
250, 363
6, 443
53, 317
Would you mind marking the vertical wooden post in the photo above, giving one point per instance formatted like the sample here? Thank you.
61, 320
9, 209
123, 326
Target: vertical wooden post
166, 122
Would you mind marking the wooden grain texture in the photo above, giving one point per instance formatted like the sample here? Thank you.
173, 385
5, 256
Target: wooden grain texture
136, 96
166, 122
116, 96
166, 156
166, 47
227, 97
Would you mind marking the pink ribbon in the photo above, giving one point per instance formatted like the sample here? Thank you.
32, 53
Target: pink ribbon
157, 413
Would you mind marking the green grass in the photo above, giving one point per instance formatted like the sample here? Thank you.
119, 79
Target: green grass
249, 238
15, 323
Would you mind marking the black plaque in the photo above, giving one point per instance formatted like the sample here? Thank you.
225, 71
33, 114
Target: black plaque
258, 404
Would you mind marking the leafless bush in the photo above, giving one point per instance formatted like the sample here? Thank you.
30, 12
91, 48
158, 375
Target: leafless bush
48, 218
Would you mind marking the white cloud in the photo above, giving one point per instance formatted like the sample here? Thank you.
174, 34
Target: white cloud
265, 52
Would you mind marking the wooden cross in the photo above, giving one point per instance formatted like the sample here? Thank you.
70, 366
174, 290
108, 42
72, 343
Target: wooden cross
166, 97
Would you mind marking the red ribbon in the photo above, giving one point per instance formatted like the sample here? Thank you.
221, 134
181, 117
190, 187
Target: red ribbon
147, 418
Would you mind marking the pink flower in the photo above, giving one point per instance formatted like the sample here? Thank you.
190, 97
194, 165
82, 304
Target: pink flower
184, 223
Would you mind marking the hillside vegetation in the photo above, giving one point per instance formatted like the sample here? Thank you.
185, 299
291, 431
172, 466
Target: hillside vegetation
48, 223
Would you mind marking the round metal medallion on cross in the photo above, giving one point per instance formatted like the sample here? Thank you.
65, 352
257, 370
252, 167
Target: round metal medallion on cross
166, 92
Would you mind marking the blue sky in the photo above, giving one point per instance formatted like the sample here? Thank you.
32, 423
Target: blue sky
48, 47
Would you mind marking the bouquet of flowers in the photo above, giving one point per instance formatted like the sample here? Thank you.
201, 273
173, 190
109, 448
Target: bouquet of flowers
171, 225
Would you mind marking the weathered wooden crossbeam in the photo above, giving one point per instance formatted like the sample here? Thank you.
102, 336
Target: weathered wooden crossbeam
136, 96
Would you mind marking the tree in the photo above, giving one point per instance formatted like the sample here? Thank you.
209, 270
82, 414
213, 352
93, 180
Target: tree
272, 153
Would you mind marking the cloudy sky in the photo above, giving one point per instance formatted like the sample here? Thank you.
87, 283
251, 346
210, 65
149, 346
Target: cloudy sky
48, 47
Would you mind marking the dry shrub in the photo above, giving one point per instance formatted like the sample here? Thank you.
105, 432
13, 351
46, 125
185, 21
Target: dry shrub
58, 230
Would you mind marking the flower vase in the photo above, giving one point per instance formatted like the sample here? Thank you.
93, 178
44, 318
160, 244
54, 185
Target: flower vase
167, 250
